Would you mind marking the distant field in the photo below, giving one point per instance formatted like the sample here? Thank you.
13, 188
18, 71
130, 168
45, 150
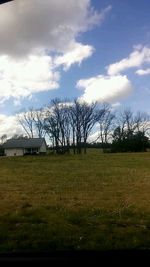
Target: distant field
74, 202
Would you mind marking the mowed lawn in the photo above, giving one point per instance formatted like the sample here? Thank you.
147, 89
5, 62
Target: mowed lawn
75, 202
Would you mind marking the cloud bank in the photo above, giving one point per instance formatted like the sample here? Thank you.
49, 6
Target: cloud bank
37, 37
115, 86
21, 78
27, 26
105, 88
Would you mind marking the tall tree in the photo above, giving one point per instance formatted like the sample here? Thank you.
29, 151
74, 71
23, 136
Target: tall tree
106, 124
26, 120
38, 117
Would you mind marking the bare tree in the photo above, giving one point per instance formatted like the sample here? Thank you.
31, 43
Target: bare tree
38, 117
105, 122
32, 122
89, 118
3, 138
142, 122
70, 124
26, 120
124, 122
83, 118
131, 123
76, 115
53, 124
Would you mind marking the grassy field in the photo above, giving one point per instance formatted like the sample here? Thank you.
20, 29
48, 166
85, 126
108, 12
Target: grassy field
75, 202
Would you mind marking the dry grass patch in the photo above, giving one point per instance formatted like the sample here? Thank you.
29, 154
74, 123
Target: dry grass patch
93, 201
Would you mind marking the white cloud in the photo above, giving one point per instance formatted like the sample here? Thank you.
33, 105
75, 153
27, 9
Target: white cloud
39, 36
139, 56
105, 88
23, 77
48, 24
78, 53
9, 126
143, 72
94, 137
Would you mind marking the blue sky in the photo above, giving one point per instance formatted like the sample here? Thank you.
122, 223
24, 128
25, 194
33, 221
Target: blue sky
94, 50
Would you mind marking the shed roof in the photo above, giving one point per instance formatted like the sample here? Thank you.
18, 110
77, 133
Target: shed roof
24, 143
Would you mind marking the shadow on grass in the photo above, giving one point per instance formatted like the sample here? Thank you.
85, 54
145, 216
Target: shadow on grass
54, 228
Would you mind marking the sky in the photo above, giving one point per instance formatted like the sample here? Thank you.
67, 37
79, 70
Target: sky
96, 50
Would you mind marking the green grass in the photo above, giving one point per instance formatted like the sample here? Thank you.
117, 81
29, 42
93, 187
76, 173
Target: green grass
75, 202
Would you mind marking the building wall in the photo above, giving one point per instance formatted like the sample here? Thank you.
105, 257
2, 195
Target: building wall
43, 148
13, 152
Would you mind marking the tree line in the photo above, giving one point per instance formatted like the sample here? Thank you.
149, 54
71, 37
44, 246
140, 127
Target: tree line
66, 124
69, 125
